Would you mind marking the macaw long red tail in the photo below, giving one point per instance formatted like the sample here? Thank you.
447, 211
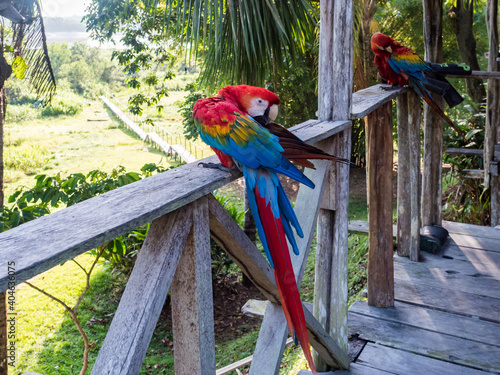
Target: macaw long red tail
283, 271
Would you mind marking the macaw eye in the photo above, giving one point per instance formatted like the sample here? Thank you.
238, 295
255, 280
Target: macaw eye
259, 101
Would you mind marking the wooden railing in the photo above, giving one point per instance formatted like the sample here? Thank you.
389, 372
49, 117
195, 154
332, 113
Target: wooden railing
176, 253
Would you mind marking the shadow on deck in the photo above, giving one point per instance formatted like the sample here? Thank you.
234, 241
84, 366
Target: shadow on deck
446, 318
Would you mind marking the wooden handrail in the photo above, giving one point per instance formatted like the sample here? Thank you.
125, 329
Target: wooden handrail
44, 243
41, 244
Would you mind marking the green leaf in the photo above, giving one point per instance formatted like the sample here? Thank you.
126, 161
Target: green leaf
19, 67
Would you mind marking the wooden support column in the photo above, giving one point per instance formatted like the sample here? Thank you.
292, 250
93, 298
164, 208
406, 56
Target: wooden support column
192, 300
414, 123
408, 224
433, 124
495, 193
379, 149
404, 182
135, 319
492, 127
334, 103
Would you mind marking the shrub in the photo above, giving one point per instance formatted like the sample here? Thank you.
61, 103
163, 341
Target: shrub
21, 112
68, 105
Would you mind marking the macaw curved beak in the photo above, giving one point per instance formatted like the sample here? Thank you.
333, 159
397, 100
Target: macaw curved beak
388, 48
269, 114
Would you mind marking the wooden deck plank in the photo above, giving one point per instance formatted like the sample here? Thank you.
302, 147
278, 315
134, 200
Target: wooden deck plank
487, 262
455, 259
451, 276
368, 100
354, 369
444, 299
472, 230
433, 320
427, 343
401, 362
478, 242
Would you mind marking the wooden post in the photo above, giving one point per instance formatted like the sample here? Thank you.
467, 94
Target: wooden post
135, 319
334, 103
408, 228
404, 181
492, 109
379, 151
414, 123
433, 124
192, 301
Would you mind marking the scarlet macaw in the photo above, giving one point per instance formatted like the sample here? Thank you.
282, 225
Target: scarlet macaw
235, 123
399, 65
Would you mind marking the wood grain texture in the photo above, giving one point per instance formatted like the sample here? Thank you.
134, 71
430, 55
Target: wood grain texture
135, 319
495, 200
426, 343
464, 151
401, 362
334, 103
434, 296
379, 179
228, 234
330, 295
414, 123
192, 301
433, 320
404, 182
368, 100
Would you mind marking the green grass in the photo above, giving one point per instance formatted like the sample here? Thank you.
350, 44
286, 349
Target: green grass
48, 341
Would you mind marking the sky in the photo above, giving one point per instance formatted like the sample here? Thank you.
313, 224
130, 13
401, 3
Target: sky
63, 8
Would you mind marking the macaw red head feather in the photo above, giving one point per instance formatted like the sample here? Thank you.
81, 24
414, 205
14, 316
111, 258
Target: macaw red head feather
243, 94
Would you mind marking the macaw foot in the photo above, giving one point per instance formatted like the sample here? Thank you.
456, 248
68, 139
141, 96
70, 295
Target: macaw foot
389, 87
218, 166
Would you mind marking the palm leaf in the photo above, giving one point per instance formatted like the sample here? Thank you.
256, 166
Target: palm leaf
30, 43
241, 39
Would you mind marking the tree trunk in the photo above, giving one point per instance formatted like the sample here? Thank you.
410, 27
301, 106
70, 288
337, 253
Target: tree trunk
369, 9
461, 17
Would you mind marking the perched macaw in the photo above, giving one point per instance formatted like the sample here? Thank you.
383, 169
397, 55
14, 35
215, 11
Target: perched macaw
399, 65
235, 123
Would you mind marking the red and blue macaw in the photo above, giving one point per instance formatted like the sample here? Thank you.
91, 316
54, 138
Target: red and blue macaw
235, 123
399, 65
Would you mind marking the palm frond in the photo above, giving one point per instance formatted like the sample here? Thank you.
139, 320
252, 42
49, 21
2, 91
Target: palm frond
242, 40
30, 43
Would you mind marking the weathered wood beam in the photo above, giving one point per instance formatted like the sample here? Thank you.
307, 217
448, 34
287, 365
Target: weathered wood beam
230, 237
368, 100
414, 123
379, 148
335, 92
192, 300
464, 151
135, 319
479, 74
404, 182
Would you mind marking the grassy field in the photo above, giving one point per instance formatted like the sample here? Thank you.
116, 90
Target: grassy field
94, 139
